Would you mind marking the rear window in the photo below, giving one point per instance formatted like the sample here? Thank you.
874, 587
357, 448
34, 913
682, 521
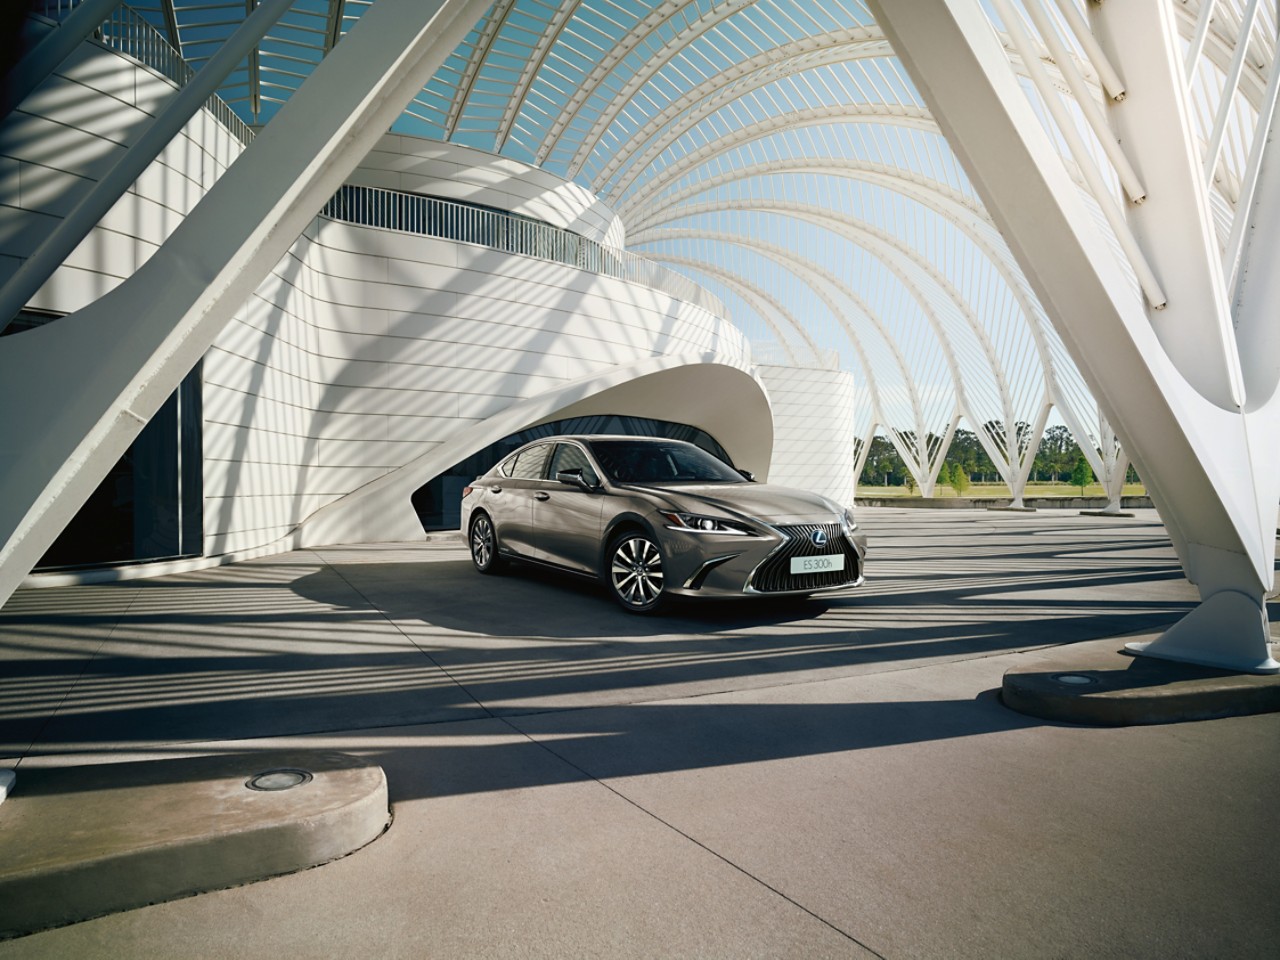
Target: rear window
528, 465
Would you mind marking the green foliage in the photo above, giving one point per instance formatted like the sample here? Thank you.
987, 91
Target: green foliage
1081, 474
1057, 458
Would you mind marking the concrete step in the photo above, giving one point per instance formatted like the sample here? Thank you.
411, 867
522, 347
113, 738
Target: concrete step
1099, 682
79, 842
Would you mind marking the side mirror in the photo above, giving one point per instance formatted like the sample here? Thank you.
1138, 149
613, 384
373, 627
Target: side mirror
574, 478
748, 475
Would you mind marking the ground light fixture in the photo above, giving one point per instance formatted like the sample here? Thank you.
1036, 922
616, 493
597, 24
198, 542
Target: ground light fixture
1074, 679
282, 778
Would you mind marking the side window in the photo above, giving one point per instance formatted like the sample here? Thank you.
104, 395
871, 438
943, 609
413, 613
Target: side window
507, 466
530, 463
571, 457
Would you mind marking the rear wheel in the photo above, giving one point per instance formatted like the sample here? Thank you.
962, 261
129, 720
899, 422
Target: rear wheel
634, 572
484, 545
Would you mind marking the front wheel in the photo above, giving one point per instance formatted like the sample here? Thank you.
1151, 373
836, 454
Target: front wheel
634, 573
484, 545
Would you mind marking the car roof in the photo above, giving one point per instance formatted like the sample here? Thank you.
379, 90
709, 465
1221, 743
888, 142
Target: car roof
606, 436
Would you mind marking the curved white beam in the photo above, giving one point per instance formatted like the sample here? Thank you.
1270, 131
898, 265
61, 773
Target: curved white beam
927, 191
893, 265
816, 278
760, 300
982, 233
730, 405
493, 22
637, 81
601, 70
725, 87
532, 64
916, 460
911, 118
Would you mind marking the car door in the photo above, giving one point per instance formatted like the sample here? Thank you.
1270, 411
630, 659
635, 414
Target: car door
510, 499
567, 517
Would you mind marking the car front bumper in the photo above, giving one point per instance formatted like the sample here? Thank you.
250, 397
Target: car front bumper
710, 565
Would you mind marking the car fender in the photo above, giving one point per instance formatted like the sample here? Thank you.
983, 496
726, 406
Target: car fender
627, 518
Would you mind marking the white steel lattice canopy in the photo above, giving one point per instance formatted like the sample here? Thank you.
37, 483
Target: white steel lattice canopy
779, 153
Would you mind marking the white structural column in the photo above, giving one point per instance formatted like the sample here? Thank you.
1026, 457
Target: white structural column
94, 378
1212, 466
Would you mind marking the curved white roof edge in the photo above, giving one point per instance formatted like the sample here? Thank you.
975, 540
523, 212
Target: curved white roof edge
714, 392
456, 172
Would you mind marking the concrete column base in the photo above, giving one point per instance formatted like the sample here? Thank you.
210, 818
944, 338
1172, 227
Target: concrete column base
1100, 683
80, 842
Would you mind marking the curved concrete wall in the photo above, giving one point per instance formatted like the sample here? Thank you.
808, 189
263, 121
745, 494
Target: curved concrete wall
64, 137
716, 393
813, 421
462, 173
367, 349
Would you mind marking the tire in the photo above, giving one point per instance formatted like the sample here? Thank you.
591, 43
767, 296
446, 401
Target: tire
483, 541
633, 571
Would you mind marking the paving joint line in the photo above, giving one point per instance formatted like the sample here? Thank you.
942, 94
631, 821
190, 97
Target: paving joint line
382, 613
35, 738
696, 842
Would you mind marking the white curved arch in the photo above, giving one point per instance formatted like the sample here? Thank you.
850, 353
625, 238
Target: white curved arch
913, 118
757, 297
713, 93
923, 302
982, 233
493, 22
636, 82
822, 276
670, 379
644, 29
564, 12
876, 241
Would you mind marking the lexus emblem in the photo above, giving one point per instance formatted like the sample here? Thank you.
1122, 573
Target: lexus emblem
819, 538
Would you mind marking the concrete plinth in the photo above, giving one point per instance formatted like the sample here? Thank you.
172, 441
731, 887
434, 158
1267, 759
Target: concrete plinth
80, 842
1099, 683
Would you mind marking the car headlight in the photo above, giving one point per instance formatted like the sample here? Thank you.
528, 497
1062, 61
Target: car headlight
850, 524
696, 523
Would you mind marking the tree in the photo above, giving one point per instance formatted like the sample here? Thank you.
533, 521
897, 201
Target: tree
1057, 452
883, 463
959, 480
1081, 475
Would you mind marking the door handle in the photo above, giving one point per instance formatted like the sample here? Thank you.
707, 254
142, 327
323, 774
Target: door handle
542, 496
496, 489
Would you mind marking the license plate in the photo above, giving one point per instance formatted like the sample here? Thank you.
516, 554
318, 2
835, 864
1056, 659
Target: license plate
828, 563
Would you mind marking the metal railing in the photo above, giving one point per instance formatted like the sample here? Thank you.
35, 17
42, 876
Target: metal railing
511, 233
127, 31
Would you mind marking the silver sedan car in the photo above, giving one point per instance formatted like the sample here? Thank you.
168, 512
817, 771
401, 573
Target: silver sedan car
654, 518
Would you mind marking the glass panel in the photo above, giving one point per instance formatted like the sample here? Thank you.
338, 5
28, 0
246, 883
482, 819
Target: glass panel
530, 463
150, 505
569, 456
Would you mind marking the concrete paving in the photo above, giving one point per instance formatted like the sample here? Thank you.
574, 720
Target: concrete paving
819, 779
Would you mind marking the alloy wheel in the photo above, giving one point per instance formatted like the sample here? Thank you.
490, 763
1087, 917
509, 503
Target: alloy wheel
635, 572
483, 544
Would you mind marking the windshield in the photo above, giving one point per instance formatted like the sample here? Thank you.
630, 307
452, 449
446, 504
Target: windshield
639, 461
